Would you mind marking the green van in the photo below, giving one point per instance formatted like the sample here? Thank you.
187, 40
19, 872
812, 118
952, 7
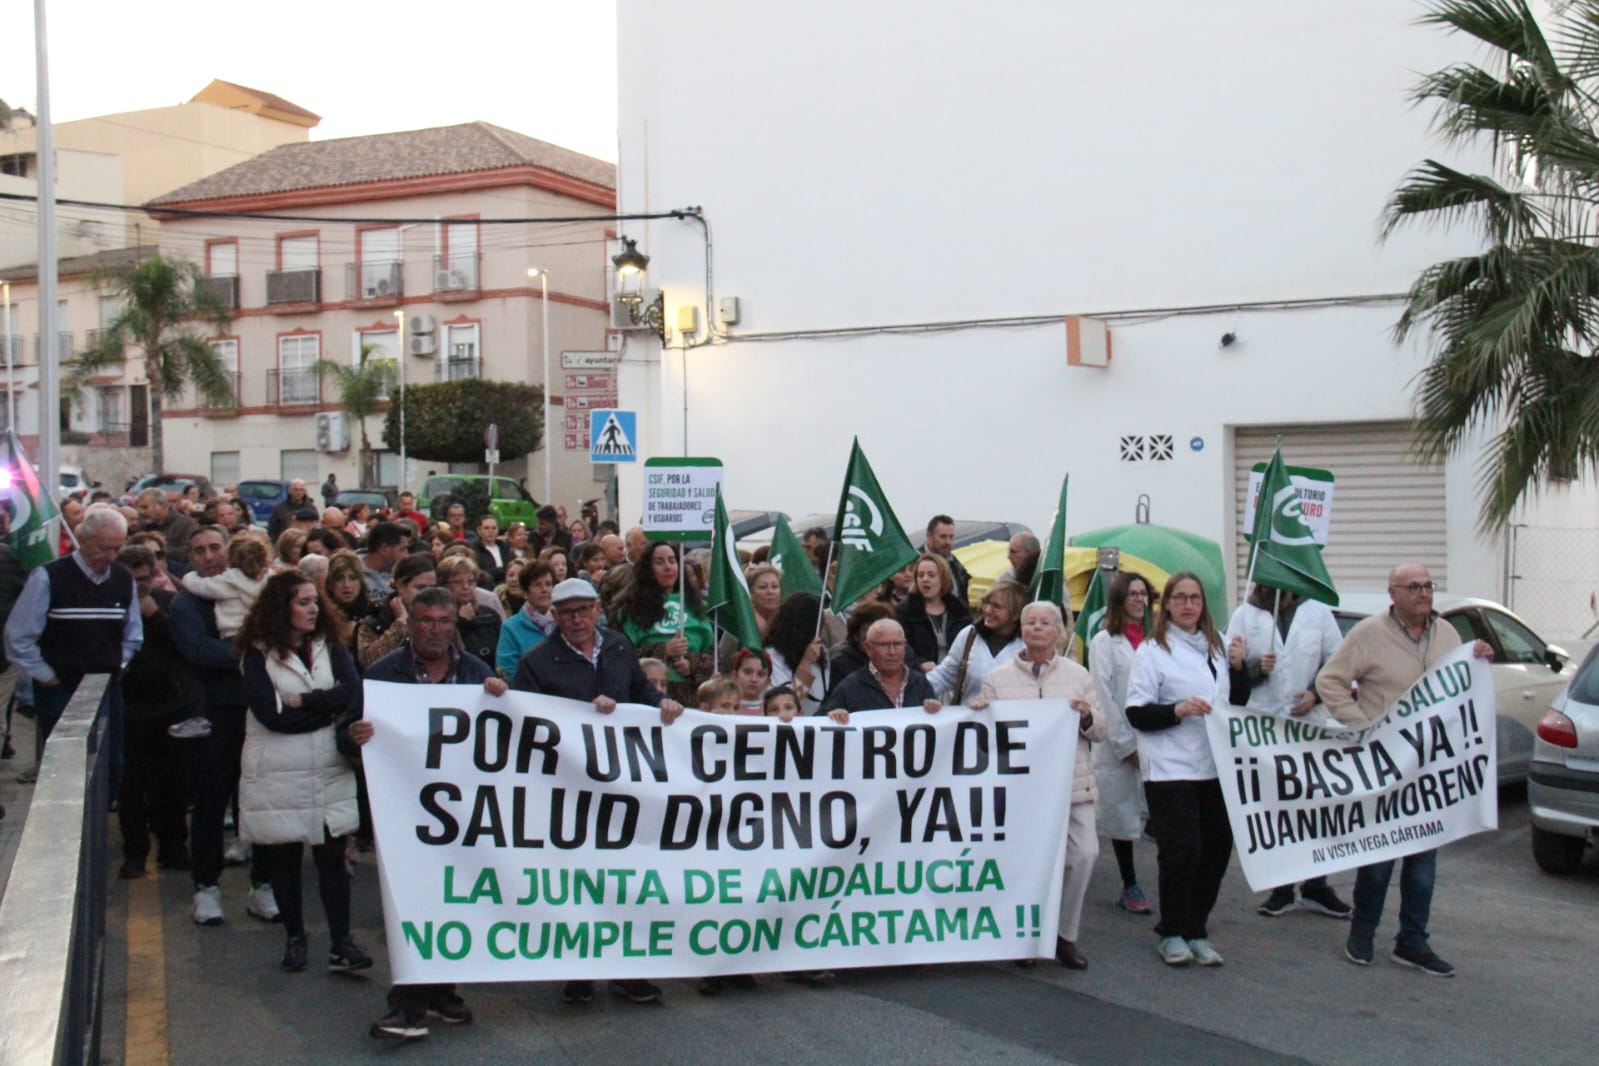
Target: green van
508, 500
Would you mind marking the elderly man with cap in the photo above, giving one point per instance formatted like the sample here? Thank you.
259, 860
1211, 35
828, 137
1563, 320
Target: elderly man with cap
585, 661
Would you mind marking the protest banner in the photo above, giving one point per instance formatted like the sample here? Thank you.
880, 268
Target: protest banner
1308, 797
530, 838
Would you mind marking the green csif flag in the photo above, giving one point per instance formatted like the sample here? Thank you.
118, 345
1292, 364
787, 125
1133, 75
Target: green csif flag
1049, 583
789, 555
729, 594
1285, 554
1092, 615
869, 543
31, 509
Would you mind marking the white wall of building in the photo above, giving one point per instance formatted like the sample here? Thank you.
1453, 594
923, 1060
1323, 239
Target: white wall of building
883, 164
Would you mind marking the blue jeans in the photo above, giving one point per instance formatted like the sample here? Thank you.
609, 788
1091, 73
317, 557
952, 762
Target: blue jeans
1416, 881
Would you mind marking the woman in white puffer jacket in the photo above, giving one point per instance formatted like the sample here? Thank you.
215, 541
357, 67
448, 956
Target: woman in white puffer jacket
1037, 672
295, 786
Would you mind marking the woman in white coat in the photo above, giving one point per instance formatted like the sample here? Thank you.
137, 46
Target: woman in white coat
979, 648
1176, 675
295, 787
1281, 659
1036, 672
1121, 788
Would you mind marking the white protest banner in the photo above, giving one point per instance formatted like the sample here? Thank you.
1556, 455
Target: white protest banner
529, 838
1311, 798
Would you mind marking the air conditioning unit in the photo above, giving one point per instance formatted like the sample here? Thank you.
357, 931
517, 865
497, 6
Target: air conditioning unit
380, 287
425, 344
422, 324
332, 432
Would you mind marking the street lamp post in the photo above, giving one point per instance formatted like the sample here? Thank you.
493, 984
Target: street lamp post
399, 328
5, 345
549, 433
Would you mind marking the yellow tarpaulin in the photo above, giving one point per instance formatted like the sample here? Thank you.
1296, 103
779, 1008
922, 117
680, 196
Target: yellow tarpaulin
986, 560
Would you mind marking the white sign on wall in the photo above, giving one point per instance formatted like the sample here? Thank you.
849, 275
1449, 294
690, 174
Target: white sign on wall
1315, 488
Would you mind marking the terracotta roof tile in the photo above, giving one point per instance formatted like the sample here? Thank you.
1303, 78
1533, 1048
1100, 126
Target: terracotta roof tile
472, 146
72, 266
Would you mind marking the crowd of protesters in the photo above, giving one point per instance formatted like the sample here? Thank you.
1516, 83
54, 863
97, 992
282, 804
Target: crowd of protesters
238, 654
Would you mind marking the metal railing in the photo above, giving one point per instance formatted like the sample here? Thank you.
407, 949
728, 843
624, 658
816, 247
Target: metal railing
289, 388
293, 287
52, 920
379, 283
232, 402
225, 287
455, 273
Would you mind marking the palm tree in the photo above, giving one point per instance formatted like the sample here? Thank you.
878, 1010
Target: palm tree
1514, 327
167, 313
363, 390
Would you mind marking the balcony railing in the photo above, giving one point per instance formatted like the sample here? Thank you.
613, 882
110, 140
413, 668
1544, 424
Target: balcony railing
456, 275
293, 287
460, 366
231, 404
374, 284
225, 287
293, 387
63, 346
15, 352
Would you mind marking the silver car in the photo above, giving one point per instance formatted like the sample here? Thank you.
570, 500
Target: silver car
1528, 673
1563, 782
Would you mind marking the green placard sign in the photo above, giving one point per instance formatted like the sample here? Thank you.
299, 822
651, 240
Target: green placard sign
680, 497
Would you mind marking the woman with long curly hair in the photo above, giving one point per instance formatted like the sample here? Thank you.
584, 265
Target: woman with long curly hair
666, 624
295, 785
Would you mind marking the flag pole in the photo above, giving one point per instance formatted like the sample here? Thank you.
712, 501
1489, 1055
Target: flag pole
716, 643
821, 601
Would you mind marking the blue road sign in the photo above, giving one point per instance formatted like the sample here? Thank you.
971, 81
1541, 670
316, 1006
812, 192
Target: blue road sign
613, 436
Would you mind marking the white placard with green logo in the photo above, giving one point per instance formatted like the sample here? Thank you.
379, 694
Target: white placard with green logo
680, 497
1315, 490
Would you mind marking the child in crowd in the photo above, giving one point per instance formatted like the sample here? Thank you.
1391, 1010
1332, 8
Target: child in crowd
234, 592
719, 695
655, 673
751, 672
781, 703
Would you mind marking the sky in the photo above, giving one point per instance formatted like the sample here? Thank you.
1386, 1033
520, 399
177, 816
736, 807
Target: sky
546, 68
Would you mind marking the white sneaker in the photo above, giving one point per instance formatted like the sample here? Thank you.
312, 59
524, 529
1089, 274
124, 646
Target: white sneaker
208, 905
1203, 953
238, 853
1173, 951
263, 904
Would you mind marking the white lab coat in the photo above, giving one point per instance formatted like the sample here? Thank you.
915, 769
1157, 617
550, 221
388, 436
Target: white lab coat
1313, 636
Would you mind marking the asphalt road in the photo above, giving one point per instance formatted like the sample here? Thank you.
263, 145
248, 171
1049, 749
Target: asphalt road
1524, 944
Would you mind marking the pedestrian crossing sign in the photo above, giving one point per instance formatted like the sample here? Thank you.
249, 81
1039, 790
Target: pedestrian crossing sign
613, 436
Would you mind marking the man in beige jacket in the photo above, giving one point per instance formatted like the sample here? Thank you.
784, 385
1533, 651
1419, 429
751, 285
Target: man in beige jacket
1382, 657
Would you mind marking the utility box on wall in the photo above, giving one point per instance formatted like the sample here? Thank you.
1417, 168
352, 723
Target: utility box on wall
332, 432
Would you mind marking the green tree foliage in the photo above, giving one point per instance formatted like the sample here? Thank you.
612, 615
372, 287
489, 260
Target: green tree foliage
1513, 327
444, 423
167, 313
363, 390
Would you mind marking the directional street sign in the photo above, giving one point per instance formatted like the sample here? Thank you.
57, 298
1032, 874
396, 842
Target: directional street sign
613, 436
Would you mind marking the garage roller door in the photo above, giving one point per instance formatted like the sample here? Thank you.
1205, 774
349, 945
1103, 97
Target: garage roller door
1386, 509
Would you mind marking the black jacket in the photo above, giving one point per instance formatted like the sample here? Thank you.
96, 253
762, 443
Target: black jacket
213, 660
157, 681
12, 578
493, 572
480, 636
554, 668
919, 632
860, 691
399, 667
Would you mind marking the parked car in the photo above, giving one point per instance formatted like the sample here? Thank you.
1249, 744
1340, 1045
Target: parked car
74, 483
1563, 780
262, 496
180, 482
509, 501
1528, 672
376, 499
